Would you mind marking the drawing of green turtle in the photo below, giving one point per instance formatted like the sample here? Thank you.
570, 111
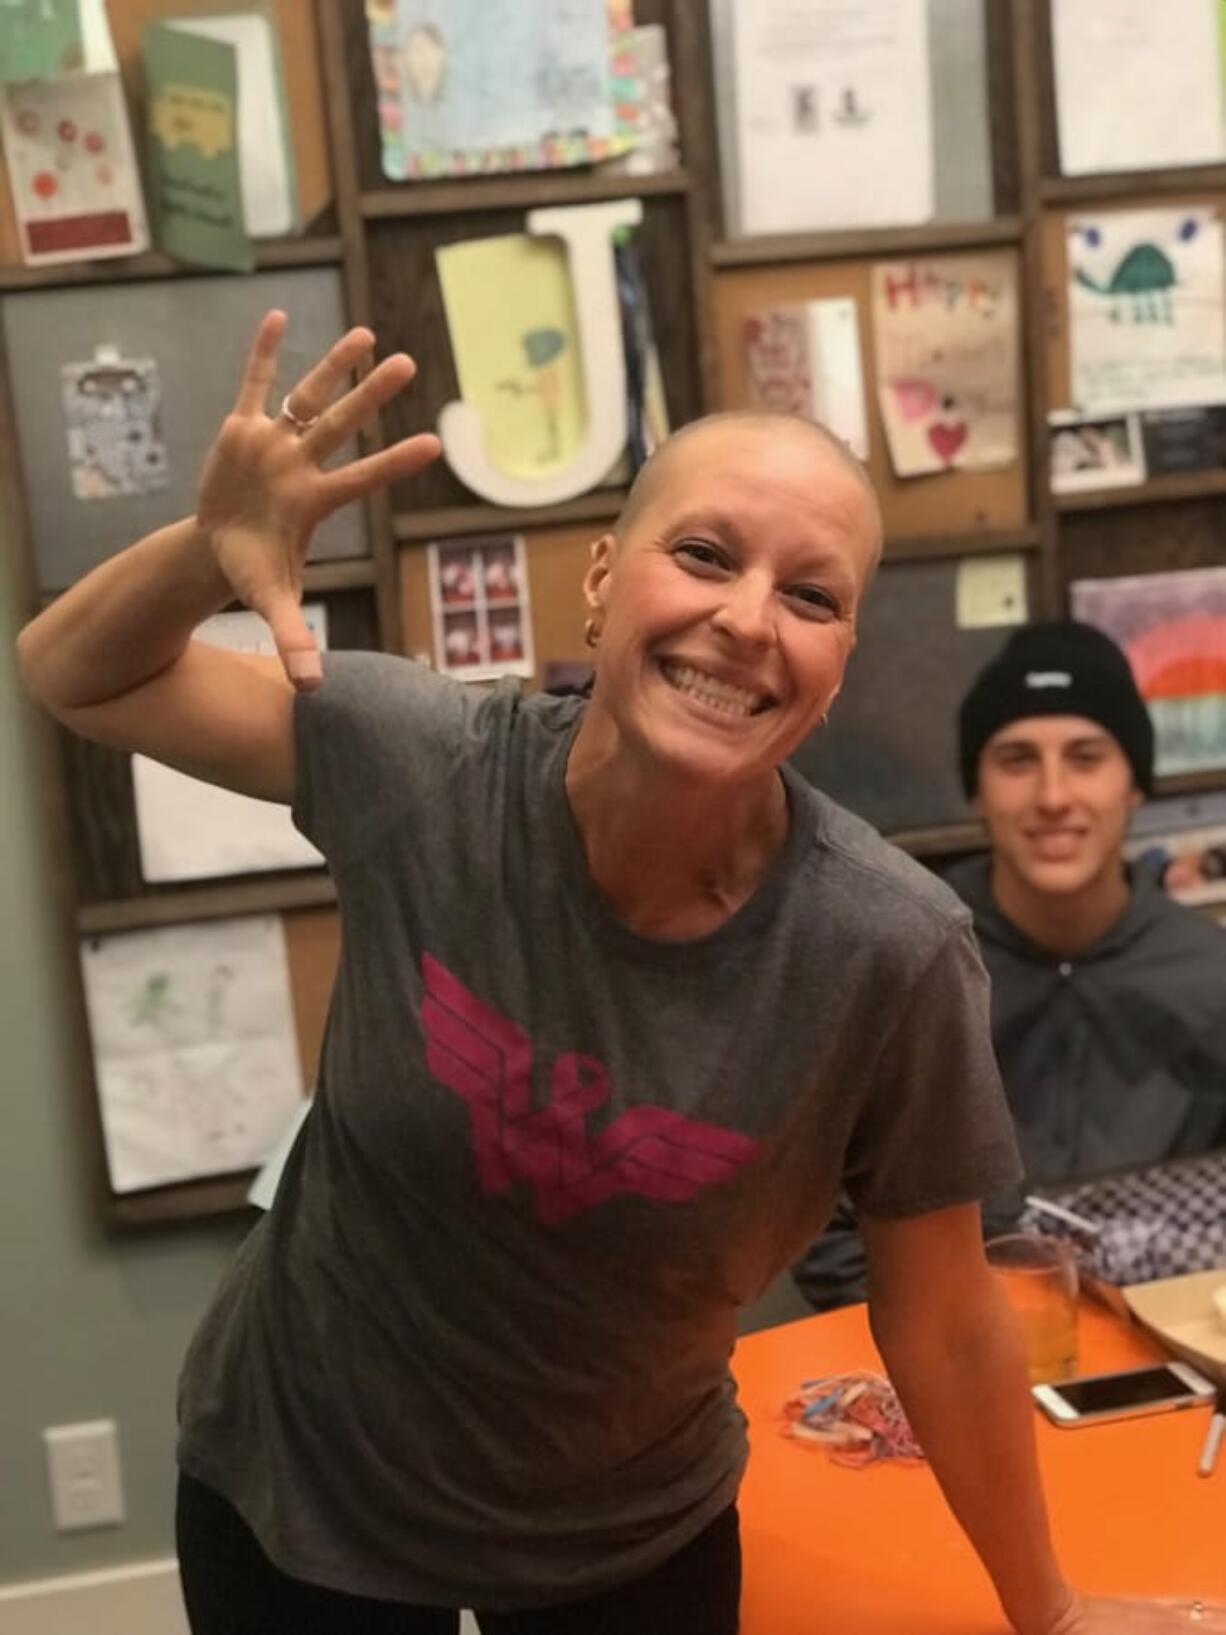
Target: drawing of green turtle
1141, 284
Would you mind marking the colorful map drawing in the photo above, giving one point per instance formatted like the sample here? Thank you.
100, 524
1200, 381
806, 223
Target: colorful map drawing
467, 87
1173, 628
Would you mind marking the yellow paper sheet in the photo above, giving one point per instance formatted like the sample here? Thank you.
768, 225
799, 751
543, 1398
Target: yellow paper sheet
511, 313
991, 590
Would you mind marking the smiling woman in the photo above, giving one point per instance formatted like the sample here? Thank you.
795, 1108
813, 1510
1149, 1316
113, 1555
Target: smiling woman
723, 609
623, 1005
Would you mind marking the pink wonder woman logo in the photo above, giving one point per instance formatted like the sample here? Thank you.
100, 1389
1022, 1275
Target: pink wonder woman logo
487, 1059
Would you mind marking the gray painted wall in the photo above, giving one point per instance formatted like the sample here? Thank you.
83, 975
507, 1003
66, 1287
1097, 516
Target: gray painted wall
91, 1326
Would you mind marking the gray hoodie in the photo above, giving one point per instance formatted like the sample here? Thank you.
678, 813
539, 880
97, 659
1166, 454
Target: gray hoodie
1117, 1057
1112, 1059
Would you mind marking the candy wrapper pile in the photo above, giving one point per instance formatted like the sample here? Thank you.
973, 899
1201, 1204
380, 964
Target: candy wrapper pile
858, 1418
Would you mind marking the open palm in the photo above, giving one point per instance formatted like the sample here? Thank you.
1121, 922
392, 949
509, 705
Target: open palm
263, 490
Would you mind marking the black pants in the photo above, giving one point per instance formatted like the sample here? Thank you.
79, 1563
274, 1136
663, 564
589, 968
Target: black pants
231, 1588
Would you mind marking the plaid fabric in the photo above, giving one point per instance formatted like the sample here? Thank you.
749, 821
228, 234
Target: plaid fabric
1160, 1221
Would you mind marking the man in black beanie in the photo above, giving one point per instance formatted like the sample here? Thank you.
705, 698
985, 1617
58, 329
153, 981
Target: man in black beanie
1108, 998
1056, 750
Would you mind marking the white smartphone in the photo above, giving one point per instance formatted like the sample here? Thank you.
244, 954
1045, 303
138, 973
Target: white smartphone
1092, 1398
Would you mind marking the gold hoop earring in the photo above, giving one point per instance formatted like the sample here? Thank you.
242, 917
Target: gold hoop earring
590, 634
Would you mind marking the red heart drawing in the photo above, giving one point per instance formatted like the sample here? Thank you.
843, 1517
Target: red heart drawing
946, 440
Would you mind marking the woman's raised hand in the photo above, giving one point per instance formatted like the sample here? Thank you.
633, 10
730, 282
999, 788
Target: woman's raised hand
263, 490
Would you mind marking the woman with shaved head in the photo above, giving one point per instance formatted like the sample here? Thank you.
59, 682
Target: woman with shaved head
623, 1005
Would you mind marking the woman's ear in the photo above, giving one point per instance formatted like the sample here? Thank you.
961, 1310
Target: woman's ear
596, 579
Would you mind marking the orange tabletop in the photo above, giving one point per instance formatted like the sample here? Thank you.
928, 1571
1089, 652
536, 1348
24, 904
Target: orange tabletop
876, 1552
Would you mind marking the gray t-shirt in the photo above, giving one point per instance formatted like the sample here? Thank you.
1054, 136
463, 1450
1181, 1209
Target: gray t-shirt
477, 1353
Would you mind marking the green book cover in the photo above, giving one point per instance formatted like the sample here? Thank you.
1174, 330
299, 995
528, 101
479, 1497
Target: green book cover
40, 39
265, 149
194, 178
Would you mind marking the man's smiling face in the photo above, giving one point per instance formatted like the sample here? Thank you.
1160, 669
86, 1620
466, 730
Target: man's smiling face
1055, 793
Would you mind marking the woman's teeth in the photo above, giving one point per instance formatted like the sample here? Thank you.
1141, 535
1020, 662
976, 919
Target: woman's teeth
719, 695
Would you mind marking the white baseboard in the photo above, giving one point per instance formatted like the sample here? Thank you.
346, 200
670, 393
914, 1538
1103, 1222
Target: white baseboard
142, 1599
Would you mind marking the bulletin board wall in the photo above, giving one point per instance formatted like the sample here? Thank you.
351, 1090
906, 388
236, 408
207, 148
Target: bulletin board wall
558, 559
406, 308
368, 257
195, 333
890, 748
298, 35
961, 502
313, 940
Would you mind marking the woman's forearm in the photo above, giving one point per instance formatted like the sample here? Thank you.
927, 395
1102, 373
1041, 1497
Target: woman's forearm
124, 622
964, 1385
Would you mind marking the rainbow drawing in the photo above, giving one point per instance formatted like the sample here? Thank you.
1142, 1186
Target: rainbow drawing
1173, 628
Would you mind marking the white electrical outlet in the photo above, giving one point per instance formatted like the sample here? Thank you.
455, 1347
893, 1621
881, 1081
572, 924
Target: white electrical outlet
83, 1467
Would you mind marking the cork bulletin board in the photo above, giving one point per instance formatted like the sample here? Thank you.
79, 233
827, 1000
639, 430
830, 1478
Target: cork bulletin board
949, 503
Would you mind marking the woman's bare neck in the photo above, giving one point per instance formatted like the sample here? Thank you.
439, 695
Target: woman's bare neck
673, 858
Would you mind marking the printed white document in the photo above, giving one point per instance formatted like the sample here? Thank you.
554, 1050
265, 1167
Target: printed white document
191, 830
833, 124
1138, 84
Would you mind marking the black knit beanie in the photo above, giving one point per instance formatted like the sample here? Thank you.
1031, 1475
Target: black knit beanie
1058, 668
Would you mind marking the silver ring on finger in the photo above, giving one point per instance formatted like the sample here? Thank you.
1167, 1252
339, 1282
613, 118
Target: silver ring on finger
297, 422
